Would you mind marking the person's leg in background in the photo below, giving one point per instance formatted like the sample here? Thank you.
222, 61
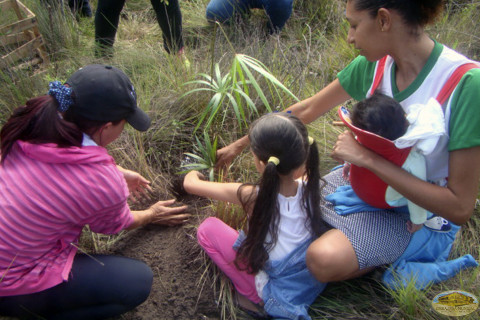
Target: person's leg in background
278, 12
80, 7
223, 10
107, 17
217, 239
169, 18
98, 288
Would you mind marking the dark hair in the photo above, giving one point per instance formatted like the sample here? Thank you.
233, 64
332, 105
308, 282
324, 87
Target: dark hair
413, 12
380, 114
284, 136
38, 121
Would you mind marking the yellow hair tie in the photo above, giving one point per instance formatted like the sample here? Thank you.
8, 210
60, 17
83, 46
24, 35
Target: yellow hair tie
274, 160
310, 140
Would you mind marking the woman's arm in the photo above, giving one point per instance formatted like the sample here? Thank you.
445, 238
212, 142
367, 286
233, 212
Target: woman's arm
307, 110
194, 183
454, 202
323, 101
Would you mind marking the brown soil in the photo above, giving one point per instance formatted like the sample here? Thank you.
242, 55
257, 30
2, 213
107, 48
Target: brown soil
181, 287
177, 291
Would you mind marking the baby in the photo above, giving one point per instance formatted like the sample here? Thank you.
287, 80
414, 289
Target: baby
378, 121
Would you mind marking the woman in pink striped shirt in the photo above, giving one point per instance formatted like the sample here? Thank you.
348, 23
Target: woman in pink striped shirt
56, 177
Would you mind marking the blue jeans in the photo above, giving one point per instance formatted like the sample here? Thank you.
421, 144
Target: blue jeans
291, 288
278, 11
93, 291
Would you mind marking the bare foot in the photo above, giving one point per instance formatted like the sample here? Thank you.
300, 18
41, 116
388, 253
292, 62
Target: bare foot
412, 228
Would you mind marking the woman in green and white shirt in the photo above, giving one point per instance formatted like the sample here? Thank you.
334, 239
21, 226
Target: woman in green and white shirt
416, 68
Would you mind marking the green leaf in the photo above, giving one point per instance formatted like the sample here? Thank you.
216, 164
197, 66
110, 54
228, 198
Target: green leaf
260, 68
255, 85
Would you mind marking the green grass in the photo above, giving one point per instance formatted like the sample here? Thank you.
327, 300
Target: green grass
304, 57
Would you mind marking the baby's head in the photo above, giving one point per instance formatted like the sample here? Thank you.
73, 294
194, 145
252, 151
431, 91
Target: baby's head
280, 135
380, 114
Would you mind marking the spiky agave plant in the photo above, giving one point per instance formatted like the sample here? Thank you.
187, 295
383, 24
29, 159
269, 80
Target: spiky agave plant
205, 157
231, 92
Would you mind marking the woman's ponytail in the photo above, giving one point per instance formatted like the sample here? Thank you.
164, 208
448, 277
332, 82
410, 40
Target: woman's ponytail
38, 121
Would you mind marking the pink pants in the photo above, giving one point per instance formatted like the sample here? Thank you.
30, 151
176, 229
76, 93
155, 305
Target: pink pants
217, 239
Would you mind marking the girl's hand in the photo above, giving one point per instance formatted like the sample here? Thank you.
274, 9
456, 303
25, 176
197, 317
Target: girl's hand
347, 149
191, 178
138, 186
195, 183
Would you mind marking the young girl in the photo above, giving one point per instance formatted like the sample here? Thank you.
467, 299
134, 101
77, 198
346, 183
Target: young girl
267, 264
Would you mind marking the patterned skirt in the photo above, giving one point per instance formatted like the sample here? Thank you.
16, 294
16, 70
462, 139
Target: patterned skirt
378, 237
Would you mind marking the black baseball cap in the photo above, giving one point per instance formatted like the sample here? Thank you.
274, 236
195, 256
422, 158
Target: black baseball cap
105, 93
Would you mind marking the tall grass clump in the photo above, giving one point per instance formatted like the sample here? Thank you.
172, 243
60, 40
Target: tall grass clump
16, 88
412, 303
457, 28
58, 27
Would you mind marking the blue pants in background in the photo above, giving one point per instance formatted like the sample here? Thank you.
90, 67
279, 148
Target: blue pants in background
278, 11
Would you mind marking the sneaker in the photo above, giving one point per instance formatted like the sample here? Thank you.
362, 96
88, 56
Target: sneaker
438, 224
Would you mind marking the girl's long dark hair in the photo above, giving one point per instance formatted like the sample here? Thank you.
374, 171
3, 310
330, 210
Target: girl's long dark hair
284, 136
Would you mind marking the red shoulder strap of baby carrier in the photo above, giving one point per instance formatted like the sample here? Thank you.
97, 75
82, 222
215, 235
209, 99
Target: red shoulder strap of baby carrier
378, 74
452, 82
444, 93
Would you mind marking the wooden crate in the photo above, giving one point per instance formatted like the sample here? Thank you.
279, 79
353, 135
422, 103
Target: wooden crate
22, 35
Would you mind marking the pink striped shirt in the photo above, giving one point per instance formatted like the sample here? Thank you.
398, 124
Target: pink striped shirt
47, 195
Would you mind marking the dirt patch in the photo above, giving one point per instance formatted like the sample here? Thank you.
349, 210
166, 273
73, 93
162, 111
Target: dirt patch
183, 287
176, 261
